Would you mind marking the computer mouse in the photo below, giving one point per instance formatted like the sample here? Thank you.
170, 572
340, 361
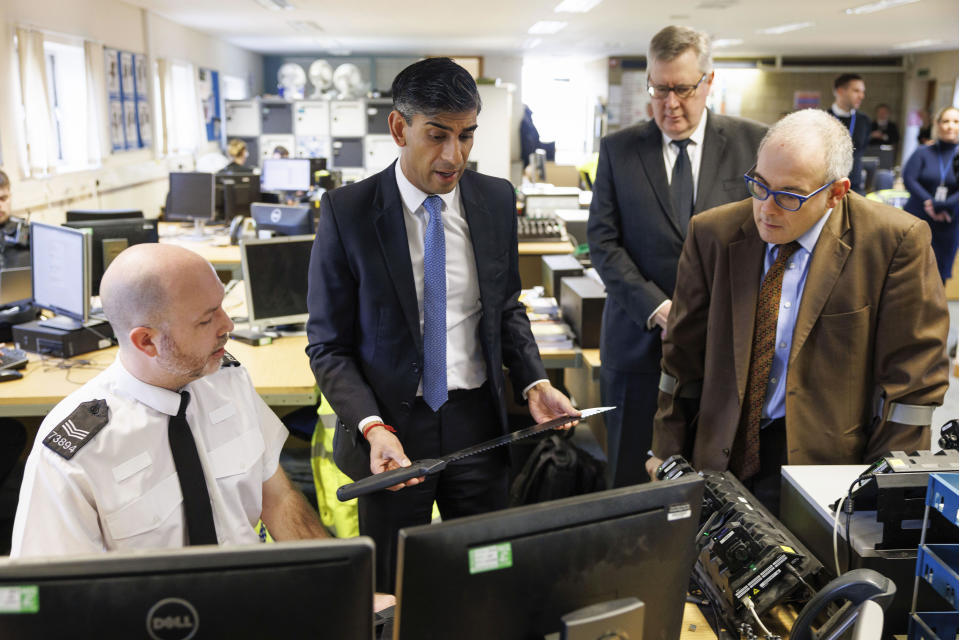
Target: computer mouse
9, 374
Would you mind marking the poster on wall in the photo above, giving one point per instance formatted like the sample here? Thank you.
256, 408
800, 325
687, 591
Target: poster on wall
130, 124
117, 137
126, 75
634, 97
126, 84
208, 83
145, 123
140, 76
806, 100
111, 67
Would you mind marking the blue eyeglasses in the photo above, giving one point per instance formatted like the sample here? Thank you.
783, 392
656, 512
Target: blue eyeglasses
786, 200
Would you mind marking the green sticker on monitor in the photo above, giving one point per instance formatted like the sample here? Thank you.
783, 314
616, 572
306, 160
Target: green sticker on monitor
19, 599
491, 558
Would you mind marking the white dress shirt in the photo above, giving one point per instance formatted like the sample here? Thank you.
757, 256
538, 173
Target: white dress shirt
794, 283
120, 490
465, 364
694, 150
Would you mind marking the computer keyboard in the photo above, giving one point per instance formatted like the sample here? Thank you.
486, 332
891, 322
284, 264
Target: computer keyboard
11, 358
540, 230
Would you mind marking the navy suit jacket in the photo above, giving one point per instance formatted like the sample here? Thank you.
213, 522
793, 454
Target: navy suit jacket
365, 344
635, 237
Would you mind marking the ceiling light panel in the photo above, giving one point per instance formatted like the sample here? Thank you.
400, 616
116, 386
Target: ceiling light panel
719, 43
305, 26
916, 44
546, 27
785, 28
576, 6
276, 5
873, 7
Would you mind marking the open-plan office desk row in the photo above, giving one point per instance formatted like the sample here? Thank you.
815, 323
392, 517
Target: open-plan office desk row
280, 372
226, 257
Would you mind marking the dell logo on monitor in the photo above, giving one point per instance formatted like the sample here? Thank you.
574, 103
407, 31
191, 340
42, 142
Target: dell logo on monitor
275, 216
172, 619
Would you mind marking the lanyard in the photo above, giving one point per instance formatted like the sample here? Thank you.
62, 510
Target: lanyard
944, 166
852, 121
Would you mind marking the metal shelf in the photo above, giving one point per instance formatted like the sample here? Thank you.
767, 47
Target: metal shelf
938, 564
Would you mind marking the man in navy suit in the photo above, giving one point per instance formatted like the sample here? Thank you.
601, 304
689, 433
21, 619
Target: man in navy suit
414, 313
651, 178
850, 90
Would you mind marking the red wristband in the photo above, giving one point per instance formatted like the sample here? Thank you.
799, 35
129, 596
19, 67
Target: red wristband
367, 428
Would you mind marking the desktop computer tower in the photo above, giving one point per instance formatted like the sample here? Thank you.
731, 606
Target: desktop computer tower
557, 267
582, 303
62, 343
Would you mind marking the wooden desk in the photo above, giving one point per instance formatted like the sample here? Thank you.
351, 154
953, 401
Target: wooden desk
583, 385
695, 626
562, 358
280, 372
227, 258
222, 257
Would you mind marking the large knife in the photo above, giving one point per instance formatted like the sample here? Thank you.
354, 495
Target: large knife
434, 465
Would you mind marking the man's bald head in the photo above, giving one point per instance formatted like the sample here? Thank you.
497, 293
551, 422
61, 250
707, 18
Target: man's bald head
818, 135
142, 285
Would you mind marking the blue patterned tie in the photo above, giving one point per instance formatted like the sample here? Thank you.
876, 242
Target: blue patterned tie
434, 306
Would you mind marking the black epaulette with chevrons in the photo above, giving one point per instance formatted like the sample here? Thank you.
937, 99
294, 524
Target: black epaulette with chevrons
228, 361
78, 428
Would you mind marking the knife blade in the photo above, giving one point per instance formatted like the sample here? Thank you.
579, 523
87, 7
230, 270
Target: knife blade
430, 466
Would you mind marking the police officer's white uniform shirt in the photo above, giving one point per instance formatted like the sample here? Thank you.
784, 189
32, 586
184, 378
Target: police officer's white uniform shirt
120, 490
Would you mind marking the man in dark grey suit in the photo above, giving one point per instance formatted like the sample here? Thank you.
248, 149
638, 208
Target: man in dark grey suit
651, 178
414, 312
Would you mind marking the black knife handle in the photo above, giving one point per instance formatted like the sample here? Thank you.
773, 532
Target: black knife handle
388, 479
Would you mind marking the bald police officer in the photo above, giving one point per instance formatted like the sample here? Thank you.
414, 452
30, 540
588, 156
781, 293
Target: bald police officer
102, 476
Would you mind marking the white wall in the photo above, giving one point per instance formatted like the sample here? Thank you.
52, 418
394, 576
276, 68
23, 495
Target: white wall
126, 179
508, 69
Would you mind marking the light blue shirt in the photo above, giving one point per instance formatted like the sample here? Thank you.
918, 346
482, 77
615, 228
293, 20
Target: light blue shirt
794, 281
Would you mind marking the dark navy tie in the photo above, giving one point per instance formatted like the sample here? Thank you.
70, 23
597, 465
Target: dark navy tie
681, 185
197, 512
434, 306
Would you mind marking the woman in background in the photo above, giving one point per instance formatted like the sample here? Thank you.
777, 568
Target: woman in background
238, 153
934, 190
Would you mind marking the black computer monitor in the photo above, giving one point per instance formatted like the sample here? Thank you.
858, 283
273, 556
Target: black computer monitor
304, 589
512, 574
60, 262
235, 193
191, 197
285, 220
285, 174
108, 238
317, 164
275, 276
77, 215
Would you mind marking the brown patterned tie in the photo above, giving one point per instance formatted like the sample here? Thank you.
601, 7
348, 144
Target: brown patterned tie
745, 457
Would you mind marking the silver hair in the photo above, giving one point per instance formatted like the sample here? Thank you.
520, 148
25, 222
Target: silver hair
798, 127
672, 41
